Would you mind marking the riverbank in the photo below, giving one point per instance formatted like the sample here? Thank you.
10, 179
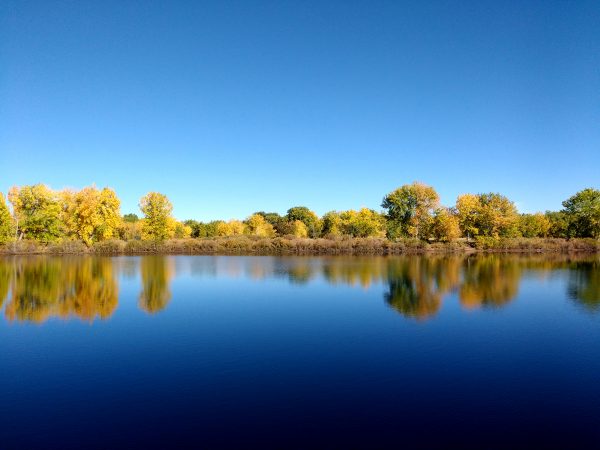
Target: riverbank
248, 245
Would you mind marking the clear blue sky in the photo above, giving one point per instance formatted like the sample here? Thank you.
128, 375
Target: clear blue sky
229, 107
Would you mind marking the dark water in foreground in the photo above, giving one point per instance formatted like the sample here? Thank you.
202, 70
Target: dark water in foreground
338, 352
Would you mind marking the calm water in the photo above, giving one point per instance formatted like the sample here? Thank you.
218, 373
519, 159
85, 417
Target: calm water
162, 351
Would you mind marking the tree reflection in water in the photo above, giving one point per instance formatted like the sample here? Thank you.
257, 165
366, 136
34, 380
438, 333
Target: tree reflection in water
5, 277
156, 272
489, 281
416, 285
44, 287
36, 288
584, 284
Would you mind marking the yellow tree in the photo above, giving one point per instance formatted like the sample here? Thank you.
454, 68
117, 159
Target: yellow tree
231, 228
258, 226
157, 224
467, 207
445, 226
180, 230
299, 229
362, 223
6, 222
90, 214
498, 216
487, 215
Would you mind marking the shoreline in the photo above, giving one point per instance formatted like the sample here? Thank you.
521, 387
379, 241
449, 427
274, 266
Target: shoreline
251, 246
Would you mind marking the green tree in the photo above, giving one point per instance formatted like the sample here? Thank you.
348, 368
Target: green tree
583, 213
332, 224
130, 218
198, 229
559, 224
410, 209
157, 223
6, 222
306, 216
534, 225
212, 228
37, 211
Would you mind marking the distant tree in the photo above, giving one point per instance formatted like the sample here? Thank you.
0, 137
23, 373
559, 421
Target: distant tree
157, 224
130, 231
237, 227
37, 211
467, 208
445, 225
559, 224
498, 216
410, 209
130, 218
180, 229
363, 223
272, 217
231, 228
198, 229
281, 224
298, 229
583, 213
306, 216
258, 226
6, 223
534, 225
332, 224
489, 214
90, 214
212, 228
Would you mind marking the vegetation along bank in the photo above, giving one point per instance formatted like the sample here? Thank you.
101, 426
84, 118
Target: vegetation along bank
42, 220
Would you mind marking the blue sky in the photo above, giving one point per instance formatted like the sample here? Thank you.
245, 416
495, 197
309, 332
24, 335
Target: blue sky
229, 107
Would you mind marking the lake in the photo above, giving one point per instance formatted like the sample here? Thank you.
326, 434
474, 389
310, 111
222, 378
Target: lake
293, 352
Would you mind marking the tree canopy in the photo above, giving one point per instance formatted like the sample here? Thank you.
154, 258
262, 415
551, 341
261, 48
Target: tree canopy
583, 213
37, 211
410, 209
157, 224
6, 222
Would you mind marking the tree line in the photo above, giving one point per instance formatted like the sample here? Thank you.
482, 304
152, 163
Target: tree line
414, 211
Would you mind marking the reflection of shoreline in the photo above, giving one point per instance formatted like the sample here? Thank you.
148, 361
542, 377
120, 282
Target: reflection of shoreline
44, 287
36, 288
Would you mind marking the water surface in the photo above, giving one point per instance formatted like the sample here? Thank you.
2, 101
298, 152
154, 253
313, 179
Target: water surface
291, 352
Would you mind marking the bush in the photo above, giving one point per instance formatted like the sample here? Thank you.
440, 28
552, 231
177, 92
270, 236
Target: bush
288, 245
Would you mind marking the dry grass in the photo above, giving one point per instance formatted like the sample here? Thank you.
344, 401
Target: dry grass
250, 245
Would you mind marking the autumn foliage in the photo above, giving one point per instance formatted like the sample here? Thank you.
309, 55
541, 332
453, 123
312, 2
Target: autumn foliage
413, 211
